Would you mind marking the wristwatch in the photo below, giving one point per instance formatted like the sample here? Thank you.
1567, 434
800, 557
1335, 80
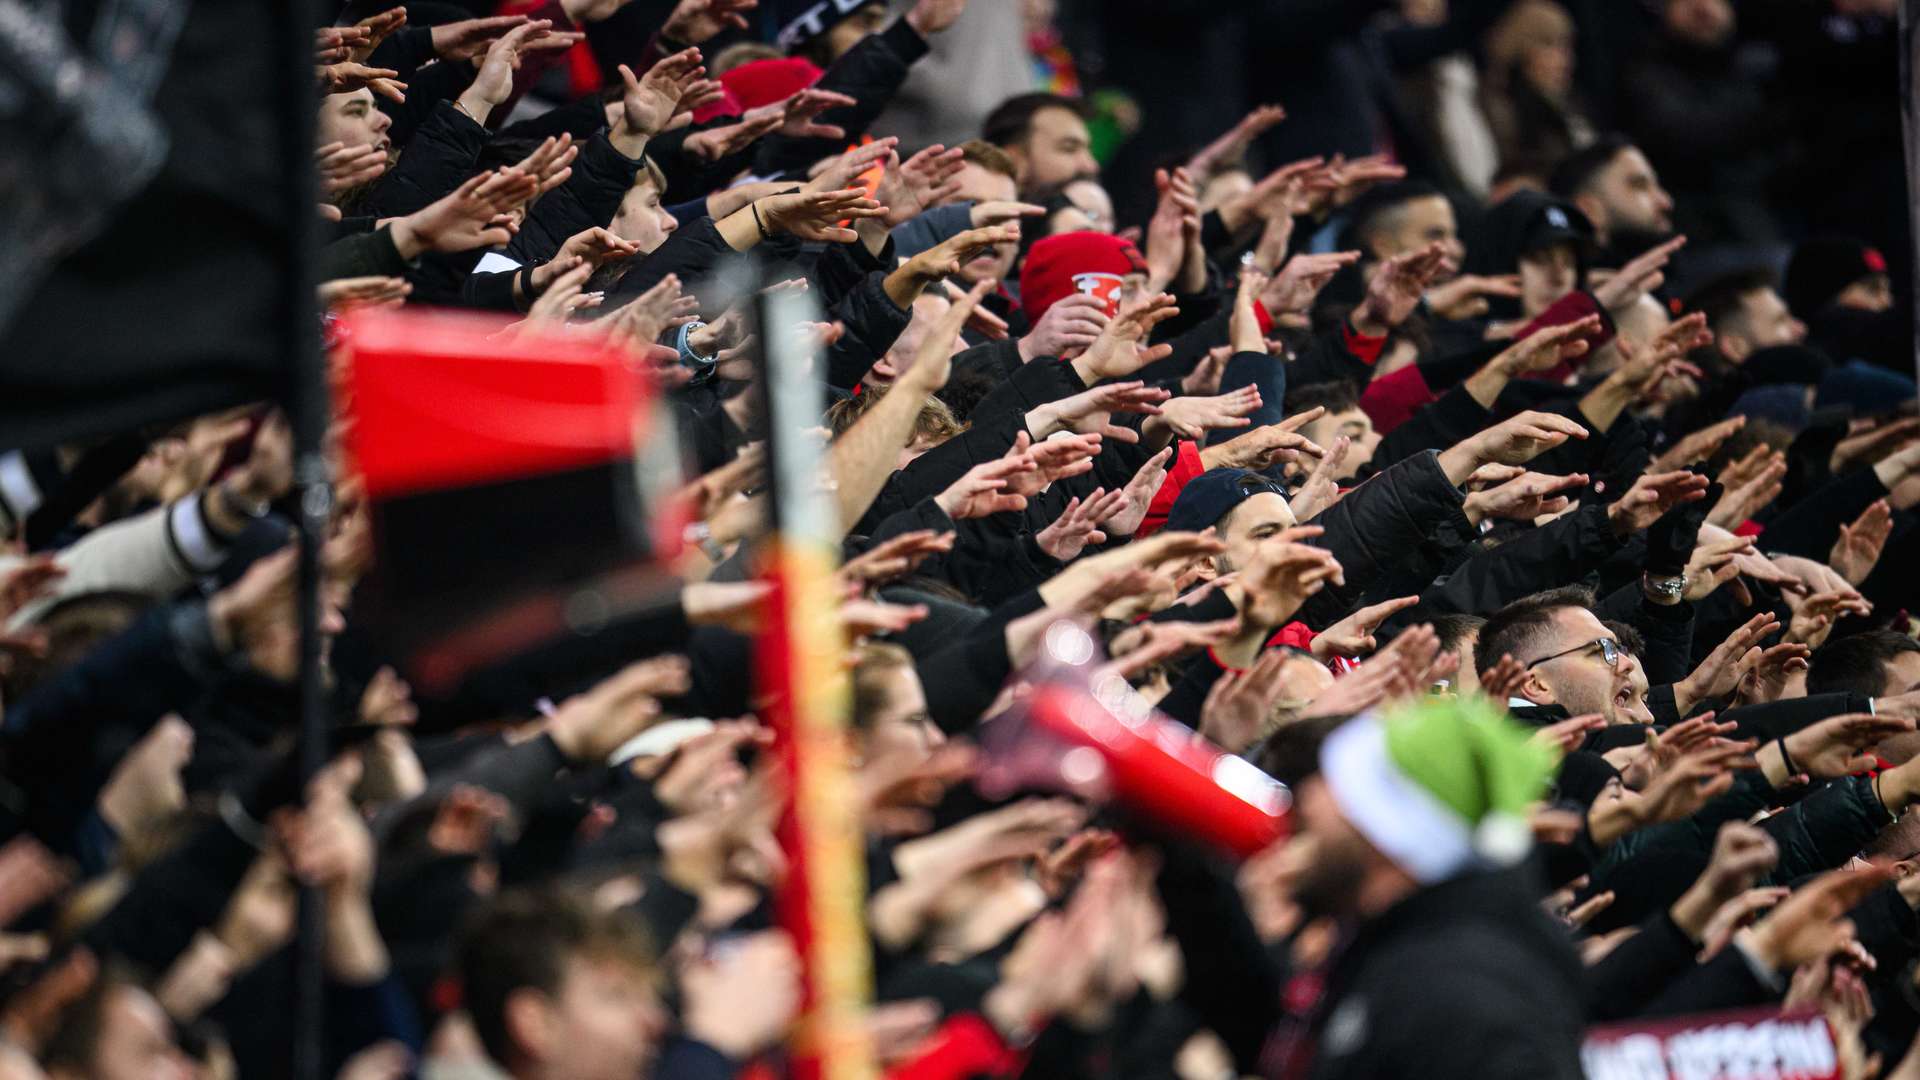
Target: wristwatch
1668, 588
701, 366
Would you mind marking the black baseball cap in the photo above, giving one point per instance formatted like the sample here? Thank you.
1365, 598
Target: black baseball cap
1214, 494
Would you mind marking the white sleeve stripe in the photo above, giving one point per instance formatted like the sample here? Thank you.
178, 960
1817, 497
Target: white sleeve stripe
192, 538
17, 489
494, 263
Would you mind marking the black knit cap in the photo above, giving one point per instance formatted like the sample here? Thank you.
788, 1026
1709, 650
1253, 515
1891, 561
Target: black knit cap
1822, 267
797, 22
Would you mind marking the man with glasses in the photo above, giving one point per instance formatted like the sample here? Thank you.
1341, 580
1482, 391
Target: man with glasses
1571, 659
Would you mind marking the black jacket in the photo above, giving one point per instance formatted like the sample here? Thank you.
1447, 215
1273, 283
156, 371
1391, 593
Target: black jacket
1468, 978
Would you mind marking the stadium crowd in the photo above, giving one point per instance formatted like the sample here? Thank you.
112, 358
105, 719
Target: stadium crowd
1493, 420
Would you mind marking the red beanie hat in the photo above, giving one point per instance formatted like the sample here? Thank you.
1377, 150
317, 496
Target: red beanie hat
1090, 262
761, 82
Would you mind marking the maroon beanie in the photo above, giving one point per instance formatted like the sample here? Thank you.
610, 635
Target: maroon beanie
1061, 265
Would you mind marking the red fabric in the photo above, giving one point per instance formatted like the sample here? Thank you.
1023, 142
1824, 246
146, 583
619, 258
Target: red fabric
1297, 634
1750, 528
1392, 399
1059, 266
1365, 347
1261, 316
1875, 261
965, 1046
1186, 465
761, 82
1572, 307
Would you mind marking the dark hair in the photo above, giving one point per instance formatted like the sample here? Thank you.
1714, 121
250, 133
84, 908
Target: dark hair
1627, 636
523, 940
1292, 753
984, 153
1009, 122
1514, 630
1857, 662
1338, 395
1723, 296
1576, 171
1368, 213
73, 626
1453, 629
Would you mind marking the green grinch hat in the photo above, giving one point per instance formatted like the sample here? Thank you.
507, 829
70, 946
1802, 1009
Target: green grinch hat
1439, 785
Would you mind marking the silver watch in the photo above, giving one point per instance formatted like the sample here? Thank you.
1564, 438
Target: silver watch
1670, 588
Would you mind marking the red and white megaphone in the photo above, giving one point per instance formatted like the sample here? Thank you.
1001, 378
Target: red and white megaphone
1104, 743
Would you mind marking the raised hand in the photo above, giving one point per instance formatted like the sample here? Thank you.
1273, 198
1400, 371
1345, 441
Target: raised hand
1524, 496
1717, 674
343, 167
1465, 297
1090, 412
1514, 441
1166, 255
649, 102
1396, 287
1240, 705
1353, 635
1810, 925
912, 187
347, 76
254, 616
1078, 526
815, 215
1119, 350
840, 172
1321, 489
1698, 447
1834, 747
1861, 543
1284, 574
1066, 329
696, 21
1814, 616
1267, 445
932, 16
893, 558
982, 490
334, 44
1138, 495
474, 216
1642, 275
1651, 496
1544, 350
589, 727
1293, 290
375, 29
1764, 675
1054, 459
1230, 149
344, 293
1194, 417
469, 38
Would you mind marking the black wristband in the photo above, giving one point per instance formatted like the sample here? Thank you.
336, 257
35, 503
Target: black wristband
761, 225
1792, 769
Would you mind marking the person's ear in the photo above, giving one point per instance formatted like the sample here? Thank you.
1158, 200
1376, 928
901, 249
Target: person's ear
1735, 347
530, 1022
1538, 690
1595, 210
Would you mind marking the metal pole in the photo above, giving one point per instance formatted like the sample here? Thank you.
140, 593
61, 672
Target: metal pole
305, 393
799, 672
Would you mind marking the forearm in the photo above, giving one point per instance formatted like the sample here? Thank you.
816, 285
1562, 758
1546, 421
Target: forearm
863, 457
1485, 384
1603, 405
356, 955
741, 229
